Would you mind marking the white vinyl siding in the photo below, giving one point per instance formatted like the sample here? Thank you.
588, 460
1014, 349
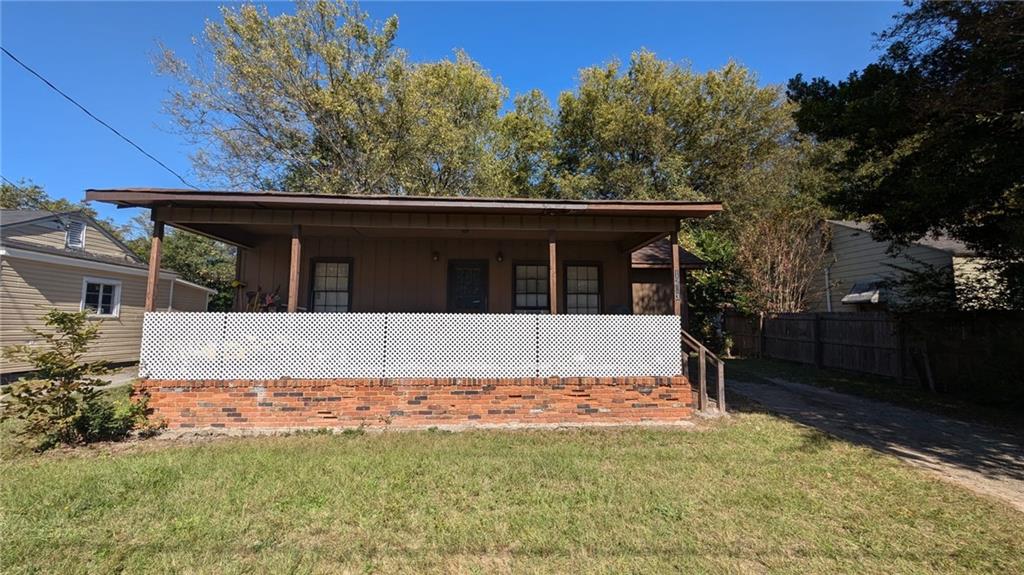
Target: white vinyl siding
28, 289
858, 258
53, 234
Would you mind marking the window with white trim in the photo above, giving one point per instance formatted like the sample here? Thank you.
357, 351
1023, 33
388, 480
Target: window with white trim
531, 289
101, 297
583, 289
75, 235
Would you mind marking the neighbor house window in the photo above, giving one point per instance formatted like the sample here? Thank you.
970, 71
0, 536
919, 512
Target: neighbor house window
531, 289
101, 297
75, 235
332, 286
582, 289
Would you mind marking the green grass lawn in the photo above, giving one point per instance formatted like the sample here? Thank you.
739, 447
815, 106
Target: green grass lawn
878, 388
751, 494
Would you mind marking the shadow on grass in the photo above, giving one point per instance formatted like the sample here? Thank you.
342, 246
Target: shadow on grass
928, 438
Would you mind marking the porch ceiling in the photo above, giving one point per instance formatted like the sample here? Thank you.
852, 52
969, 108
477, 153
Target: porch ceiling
248, 235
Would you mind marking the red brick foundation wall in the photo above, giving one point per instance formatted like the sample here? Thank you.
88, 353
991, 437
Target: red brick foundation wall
295, 403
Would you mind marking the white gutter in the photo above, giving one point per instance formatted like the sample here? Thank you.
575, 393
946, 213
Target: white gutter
209, 291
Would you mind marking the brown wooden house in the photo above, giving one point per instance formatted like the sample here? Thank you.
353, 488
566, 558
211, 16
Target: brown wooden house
354, 258
652, 279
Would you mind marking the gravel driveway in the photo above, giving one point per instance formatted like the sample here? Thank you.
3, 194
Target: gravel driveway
984, 459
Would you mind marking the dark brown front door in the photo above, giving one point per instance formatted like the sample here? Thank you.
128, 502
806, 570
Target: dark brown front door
467, 286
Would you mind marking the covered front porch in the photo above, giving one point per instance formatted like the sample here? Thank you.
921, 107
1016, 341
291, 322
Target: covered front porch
465, 304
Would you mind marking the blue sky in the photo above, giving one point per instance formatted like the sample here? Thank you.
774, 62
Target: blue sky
101, 54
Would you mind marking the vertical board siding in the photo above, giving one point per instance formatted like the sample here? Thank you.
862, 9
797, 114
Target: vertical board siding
652, 291
400, 275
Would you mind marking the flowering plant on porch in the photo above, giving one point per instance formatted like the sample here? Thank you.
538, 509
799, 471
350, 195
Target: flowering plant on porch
263, 302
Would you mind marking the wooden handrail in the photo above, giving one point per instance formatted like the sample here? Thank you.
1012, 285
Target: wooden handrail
703, 353
696, 345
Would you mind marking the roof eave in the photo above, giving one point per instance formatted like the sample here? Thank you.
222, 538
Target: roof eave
148, 198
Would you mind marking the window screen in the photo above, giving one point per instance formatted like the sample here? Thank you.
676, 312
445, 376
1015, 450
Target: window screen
100, 298
75, 237
531, 289
332, 286
582, 289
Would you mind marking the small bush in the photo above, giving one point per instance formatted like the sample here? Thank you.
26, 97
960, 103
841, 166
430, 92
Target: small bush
64, 405
101, 420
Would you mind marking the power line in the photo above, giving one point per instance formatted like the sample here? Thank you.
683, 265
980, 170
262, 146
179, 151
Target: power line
93, 116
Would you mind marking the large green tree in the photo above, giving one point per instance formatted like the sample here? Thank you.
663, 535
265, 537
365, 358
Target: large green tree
934, 130
29, 196
655, 129
652, 129
322, 101
524, 146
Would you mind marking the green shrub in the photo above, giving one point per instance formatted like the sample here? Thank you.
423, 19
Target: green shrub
101, 420
64, 405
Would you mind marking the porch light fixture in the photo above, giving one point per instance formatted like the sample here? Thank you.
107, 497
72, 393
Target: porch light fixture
500, 257
435, 256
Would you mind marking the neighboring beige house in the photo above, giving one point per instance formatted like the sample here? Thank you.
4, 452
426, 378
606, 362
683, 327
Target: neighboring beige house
858, 266
68, 261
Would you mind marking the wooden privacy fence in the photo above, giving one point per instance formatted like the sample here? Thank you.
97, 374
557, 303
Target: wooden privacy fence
955, 351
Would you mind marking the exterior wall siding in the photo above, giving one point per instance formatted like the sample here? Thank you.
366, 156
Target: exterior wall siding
858, 257
409, 403
399, 274
188, 298
45, 233
652, 291
29, 289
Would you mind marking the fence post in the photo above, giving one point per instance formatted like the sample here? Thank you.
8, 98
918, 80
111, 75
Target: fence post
721, 386
901, 350
760, 334
816, 330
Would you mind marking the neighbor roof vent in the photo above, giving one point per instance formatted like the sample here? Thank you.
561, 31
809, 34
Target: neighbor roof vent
75, 235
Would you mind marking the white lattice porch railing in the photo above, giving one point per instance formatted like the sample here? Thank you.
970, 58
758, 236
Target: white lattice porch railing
190, 346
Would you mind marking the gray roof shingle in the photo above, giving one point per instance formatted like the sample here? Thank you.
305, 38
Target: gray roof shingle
10, 217
939, 242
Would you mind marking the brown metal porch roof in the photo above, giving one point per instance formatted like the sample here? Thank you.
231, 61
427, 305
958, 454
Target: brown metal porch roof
153, 197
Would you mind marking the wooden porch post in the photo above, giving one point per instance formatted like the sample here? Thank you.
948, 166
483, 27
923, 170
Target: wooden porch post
553, 272
685, 300
677, 281
153, 279
293, 270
